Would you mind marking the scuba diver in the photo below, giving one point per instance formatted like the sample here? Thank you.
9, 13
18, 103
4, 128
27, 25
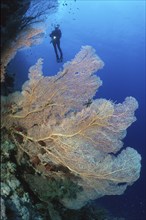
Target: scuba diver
56, 35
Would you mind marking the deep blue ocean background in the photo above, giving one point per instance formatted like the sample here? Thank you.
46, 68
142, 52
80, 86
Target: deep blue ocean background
116, 29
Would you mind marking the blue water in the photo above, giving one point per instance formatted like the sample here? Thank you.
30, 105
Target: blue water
116, 29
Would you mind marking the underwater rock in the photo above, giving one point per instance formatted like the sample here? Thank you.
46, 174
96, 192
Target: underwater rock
3, 210
15, 201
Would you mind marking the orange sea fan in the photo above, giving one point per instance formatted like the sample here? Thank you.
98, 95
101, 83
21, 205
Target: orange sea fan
83, 138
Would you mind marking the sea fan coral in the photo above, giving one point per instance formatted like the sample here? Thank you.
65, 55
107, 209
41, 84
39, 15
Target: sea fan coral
52, 120
29, 37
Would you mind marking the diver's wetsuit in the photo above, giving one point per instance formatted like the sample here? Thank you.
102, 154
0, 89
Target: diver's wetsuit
56, 35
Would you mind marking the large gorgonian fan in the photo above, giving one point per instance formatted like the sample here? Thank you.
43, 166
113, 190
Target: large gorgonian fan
60, 123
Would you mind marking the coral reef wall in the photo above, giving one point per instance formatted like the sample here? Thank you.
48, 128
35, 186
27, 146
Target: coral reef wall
56, 120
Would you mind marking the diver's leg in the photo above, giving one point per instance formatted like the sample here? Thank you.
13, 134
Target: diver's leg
55, 49
61, 54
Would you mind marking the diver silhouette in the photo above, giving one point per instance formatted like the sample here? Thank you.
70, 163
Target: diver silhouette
56, 35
